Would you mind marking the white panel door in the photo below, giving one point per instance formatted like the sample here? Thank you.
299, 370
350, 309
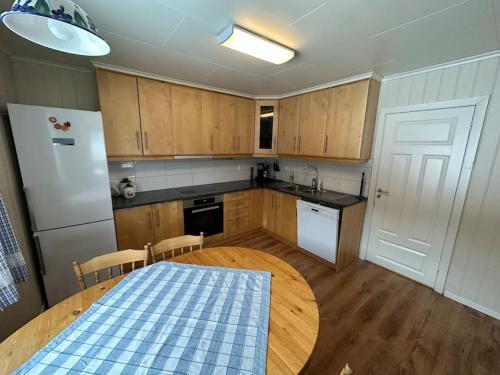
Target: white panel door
421, 159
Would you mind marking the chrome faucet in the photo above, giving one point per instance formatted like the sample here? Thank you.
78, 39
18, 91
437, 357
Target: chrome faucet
315, 180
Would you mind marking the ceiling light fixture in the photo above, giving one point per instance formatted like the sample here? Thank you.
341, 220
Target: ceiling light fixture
241, 40
58, 24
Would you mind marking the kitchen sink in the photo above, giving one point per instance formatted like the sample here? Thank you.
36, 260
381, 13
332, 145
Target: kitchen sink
300, 189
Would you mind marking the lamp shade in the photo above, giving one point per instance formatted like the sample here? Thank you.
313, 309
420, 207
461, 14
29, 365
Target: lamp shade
58, 24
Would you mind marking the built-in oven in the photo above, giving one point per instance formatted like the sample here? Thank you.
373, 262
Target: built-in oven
204, 215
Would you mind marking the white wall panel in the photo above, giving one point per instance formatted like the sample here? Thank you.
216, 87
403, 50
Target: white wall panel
474, 276
30, 302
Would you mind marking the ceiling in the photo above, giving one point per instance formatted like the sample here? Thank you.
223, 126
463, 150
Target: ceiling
335, 39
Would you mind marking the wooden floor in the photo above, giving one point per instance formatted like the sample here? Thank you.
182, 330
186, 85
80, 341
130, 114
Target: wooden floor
383, 323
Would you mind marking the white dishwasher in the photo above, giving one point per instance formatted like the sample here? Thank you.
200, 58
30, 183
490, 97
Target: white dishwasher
317, 229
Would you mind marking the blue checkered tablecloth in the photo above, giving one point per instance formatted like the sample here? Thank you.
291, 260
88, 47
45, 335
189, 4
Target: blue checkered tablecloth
167, 318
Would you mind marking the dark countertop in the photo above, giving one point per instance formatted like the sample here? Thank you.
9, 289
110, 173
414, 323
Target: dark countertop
324, 197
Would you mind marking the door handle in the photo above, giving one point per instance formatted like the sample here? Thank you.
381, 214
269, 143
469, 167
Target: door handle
381, 192
43, 270
34, 226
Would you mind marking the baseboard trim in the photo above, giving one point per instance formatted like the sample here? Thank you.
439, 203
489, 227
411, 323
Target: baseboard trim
473, 305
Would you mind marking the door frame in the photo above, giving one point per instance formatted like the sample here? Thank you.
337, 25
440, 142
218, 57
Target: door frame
481, 104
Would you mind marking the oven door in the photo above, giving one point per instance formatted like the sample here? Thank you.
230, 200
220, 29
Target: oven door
208, 219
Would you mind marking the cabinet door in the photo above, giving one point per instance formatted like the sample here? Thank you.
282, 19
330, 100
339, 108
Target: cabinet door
245, 125
156, 117
313, 112
224, 124
285, 224
266, 127
120, 113
256, 198
134, 227
289, 125
268, 204
351, 120
192, 116
168, 220
235, 226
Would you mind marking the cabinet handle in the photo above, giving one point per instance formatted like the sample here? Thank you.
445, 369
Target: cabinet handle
275, 143
326, 145
238, 146
138, 140
157, 218
146, 140
294, 143
299, 143
234, 143
150, 219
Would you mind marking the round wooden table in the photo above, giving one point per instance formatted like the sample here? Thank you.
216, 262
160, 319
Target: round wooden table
293, 323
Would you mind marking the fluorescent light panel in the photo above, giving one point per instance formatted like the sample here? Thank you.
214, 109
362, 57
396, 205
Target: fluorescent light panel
240, 40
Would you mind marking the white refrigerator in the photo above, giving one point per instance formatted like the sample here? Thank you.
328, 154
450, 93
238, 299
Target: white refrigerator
63, 164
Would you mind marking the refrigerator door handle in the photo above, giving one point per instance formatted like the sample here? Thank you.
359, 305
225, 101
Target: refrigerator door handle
34, 227
39, 255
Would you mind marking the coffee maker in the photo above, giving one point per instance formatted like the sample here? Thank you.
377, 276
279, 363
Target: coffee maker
263, 174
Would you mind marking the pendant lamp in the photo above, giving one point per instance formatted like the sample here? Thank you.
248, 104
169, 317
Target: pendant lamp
58, 24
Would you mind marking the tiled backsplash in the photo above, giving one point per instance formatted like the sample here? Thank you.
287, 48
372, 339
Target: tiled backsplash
164, 174
345, 178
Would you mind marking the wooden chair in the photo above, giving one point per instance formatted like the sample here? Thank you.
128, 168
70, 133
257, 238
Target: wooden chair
117, 258
346, 370
178, 243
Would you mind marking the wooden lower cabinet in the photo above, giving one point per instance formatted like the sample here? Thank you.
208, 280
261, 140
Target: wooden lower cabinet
268, 203
256, 198
168, 220
236, 213
134, 227
279, 214
138, 226
285, 217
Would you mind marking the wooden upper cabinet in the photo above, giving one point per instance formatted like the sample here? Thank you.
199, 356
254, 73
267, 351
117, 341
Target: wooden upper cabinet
156, 117
245, 125
289, 109
120, 112
193, 120
351, 120
266, 127
313, 113
224, 124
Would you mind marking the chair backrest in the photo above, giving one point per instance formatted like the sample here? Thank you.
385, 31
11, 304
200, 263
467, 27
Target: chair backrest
172, 244
117, 258
347, 370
